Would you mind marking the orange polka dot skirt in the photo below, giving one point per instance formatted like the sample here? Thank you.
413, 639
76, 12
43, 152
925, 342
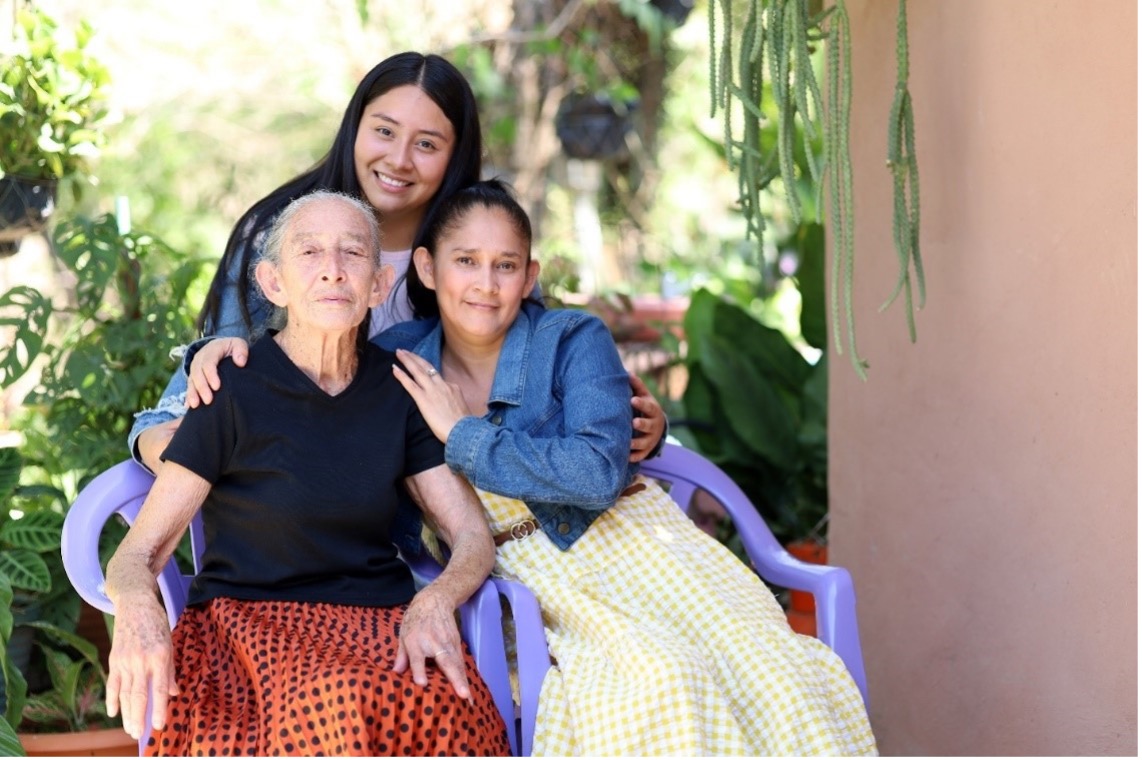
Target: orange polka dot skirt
288, 678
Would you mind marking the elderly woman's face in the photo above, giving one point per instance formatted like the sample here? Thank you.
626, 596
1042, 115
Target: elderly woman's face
328, 275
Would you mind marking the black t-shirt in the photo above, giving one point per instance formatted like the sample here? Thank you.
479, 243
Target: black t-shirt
305, 485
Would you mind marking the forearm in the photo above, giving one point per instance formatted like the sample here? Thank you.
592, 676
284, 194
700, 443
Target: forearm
455, 513
172, 503
470, 562
588, 469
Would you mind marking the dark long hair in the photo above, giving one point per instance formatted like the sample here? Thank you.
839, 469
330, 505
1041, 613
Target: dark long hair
336, 171
451, 211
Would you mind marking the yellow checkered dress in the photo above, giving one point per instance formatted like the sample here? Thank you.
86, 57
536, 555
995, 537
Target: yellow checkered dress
666, 644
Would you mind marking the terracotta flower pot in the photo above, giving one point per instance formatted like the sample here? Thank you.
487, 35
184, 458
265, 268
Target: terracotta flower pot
100, 742
802, 611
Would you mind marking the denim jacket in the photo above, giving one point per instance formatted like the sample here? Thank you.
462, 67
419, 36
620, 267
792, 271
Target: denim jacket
557, 431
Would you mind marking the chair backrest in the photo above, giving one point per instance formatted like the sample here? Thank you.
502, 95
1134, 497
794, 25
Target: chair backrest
832, 588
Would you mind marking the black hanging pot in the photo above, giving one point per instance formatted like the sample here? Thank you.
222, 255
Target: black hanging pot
590, 127
675, 10
25, 205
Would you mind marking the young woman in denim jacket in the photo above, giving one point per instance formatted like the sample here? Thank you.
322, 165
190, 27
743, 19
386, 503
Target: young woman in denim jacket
665, 644
409, 137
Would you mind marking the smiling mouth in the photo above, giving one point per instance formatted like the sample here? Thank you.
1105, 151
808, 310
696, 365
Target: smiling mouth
392, 182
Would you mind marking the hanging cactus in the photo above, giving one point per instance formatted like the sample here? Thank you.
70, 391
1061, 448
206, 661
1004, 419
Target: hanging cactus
775, 62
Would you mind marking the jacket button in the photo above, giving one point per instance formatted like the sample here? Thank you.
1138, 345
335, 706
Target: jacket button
564, 529
497, 420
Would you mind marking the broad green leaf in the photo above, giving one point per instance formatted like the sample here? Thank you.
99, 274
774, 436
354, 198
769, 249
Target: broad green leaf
37, 531
5, 611
15, 690
765, 348
699, 320
9, 745
10, 466
28, 311
82, 645
752, 404
25, 570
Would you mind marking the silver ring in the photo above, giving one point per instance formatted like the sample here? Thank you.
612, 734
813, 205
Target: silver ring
431, 372
442, 651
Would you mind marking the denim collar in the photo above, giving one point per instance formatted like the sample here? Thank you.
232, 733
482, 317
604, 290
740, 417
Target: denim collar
511, 369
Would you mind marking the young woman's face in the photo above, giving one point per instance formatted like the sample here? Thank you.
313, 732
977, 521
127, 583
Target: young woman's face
481, 272
404, 142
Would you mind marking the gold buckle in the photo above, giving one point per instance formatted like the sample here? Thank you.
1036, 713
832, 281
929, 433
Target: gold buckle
522, 529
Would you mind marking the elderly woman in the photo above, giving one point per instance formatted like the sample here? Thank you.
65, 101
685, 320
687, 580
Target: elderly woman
302, 633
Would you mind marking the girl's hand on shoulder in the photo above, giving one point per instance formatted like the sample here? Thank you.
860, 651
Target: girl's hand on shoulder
203, 379
650, 426
440, 402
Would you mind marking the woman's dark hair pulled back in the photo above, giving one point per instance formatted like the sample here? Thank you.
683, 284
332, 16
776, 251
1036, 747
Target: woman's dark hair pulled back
448, 214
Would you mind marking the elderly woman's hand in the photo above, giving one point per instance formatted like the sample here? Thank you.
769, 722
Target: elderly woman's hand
441, 403
141, 657
428, 631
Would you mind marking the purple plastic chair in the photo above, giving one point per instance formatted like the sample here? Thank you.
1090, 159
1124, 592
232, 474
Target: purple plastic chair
122, 490
687, 471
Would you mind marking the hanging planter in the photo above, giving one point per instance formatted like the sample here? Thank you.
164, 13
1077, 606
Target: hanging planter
675, 10
591, 127
25, 206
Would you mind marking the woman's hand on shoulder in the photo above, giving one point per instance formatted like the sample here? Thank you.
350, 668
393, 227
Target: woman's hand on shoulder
441, 403
650, 426
203, 379
428, 632
141, 663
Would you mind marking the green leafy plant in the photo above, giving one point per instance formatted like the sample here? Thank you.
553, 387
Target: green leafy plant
36, 596
51, 101
772, 62
9, 743
131, 302
757, 408
75, 701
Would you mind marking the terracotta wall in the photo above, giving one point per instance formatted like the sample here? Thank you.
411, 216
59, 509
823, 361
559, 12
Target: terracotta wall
984, 480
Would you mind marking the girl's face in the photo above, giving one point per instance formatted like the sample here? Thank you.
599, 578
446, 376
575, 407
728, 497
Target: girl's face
404, 142
481, 272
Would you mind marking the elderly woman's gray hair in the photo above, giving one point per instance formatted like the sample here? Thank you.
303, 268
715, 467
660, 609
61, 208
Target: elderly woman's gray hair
275, 239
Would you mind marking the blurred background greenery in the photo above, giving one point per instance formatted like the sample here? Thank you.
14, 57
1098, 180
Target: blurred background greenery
202, 108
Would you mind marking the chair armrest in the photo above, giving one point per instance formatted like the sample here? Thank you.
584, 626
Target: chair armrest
119, 490
481, 626
533, 661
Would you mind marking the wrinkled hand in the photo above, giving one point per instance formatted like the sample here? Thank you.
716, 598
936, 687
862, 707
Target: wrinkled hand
428, 631
203, 379
652, 423
153, 441
141, 662
440, 402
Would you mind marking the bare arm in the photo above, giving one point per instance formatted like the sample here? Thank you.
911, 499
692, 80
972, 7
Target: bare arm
429, 627
141, 651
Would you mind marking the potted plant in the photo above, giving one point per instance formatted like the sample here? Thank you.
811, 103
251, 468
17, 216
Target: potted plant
51, 107
52, 690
